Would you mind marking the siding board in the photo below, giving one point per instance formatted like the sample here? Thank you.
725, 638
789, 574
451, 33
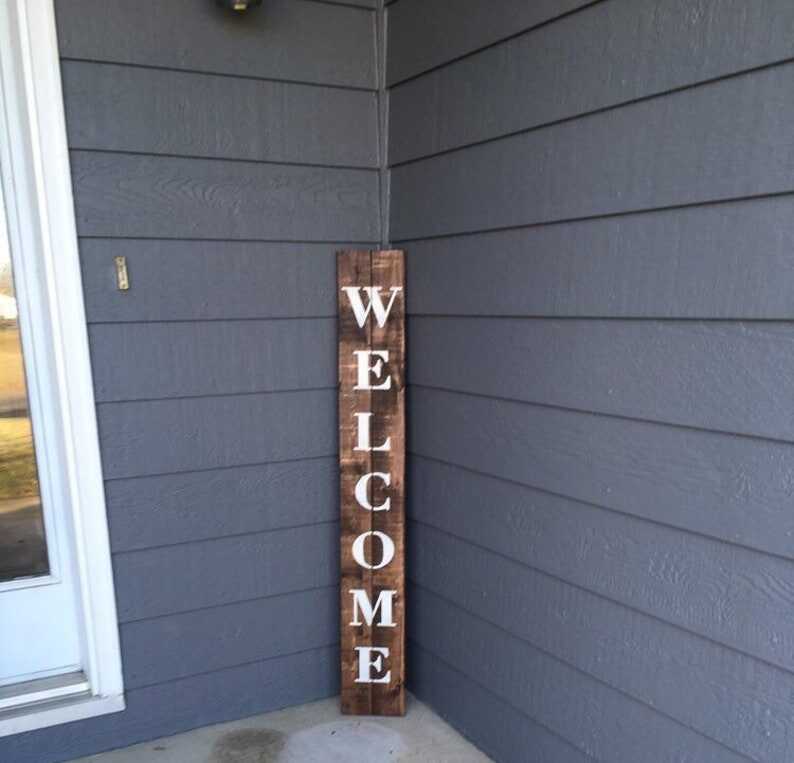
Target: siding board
725, 140
607, 54
703, 686
619, 488
728, 260
285, 39
159, 360
123, 108
424, 34
733, 488
704, 586
226, 156
602, 722
709, 375
170, 708
233, 279
224, 570
161, 436
501, 730
221, 637
176, 508
125, 195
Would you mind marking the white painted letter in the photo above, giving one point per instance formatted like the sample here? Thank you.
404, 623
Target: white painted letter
366, 663
386, 542
361, 491
384, 604
365, 369
375, 303
363, 434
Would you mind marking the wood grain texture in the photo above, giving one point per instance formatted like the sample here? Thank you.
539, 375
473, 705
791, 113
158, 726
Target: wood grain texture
299, 41
201, 700
729, 594
722, 598
709, 375
354, 268
502, 731
601, 722
728, 260
148, 196
124, 108
604, 55
176, 508
233, 634
642, 580
385, 270
726, 140
422, 35
157, 437
234, 279
731, 488
224, 571
292, 82
159, 360
388, 420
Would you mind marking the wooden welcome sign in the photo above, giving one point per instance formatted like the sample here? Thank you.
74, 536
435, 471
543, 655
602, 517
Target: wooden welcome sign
372, 480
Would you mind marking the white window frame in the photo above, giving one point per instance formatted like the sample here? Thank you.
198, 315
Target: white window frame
34, 160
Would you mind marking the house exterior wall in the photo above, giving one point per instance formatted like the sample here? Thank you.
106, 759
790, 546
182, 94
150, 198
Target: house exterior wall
596, 203
227, 157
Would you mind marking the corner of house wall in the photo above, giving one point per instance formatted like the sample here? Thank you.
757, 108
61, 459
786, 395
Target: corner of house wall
384, 174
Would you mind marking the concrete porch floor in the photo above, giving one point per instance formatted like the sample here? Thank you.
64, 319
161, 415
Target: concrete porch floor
313, 733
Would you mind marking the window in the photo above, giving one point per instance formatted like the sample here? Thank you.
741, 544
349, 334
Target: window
55, 577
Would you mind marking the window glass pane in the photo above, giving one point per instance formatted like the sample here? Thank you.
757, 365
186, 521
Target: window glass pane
23, 548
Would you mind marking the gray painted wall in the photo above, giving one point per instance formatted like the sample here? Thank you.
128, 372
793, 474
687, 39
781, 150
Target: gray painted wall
227, 158
596, 198
597, 201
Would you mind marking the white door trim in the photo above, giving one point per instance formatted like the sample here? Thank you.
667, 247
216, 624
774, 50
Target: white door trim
34, 156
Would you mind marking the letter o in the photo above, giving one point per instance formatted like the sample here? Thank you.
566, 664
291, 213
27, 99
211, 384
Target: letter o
388, 550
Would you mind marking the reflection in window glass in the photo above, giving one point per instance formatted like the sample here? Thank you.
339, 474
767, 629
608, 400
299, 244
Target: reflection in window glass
23, 549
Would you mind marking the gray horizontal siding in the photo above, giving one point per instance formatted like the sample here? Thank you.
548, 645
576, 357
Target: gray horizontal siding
606, 54
206, 280
160, 436
169, 708
123, 108
680, 372
648, 600
159, 360
721, 141
730, 698
162, 581
175, 508
150, 196
602, 722
600, 532
297, 40
222, 637
728, 487
424, 34
729, 260
227, 157
500, 729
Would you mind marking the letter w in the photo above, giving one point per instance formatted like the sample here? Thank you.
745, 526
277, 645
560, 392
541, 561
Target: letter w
375, 303
384, 604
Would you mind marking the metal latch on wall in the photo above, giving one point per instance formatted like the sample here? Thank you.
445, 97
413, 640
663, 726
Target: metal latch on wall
122, 277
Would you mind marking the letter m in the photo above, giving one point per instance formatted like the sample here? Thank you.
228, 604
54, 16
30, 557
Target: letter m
363, 606
374, 303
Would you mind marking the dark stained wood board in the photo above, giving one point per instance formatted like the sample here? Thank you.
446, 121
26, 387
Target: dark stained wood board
365, 690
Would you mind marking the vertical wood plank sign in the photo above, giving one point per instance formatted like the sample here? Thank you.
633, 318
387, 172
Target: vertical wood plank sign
371, 300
